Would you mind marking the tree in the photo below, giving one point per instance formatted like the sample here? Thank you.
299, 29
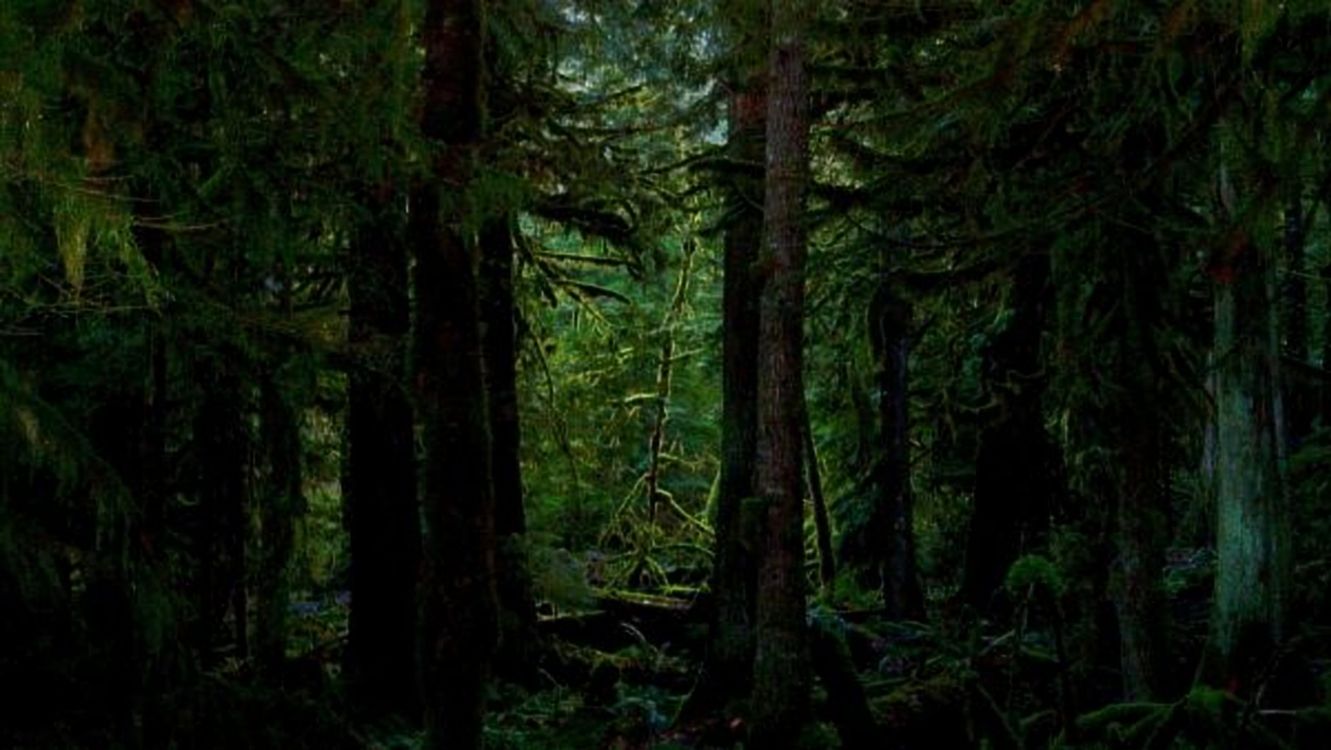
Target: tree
458, 599
517, 608
893, 520
383, 516
1253, 568
781, 659
1140, 487
728, 666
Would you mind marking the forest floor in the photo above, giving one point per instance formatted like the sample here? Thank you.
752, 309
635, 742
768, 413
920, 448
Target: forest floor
617, 674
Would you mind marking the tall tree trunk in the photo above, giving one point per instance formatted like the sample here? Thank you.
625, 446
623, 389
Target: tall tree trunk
1014, 467
781, 658
382, 514
283, 501
517, 606
728, 664
1252, 588
892, 526
459, 618
1140, 487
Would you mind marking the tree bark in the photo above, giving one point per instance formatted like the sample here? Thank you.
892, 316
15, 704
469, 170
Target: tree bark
517, 606
728, 665
383, 516
892, 526
781, 658
1252, 588
459, 618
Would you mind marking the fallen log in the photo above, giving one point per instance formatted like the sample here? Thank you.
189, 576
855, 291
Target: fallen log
621, 619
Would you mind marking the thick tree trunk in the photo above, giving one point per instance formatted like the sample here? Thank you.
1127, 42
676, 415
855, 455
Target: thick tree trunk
1014, 469
892, 526
459, 619
781, 658
517, 606
1252, 588
383, 517
728, 665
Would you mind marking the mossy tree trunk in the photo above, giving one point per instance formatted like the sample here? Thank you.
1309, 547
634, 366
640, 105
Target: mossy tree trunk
517, 607
1252, 588
781, 658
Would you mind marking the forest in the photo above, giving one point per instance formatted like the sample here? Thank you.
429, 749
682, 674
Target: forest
628, 374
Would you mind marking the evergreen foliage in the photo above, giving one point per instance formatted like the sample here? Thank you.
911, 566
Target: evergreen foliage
1094, 236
